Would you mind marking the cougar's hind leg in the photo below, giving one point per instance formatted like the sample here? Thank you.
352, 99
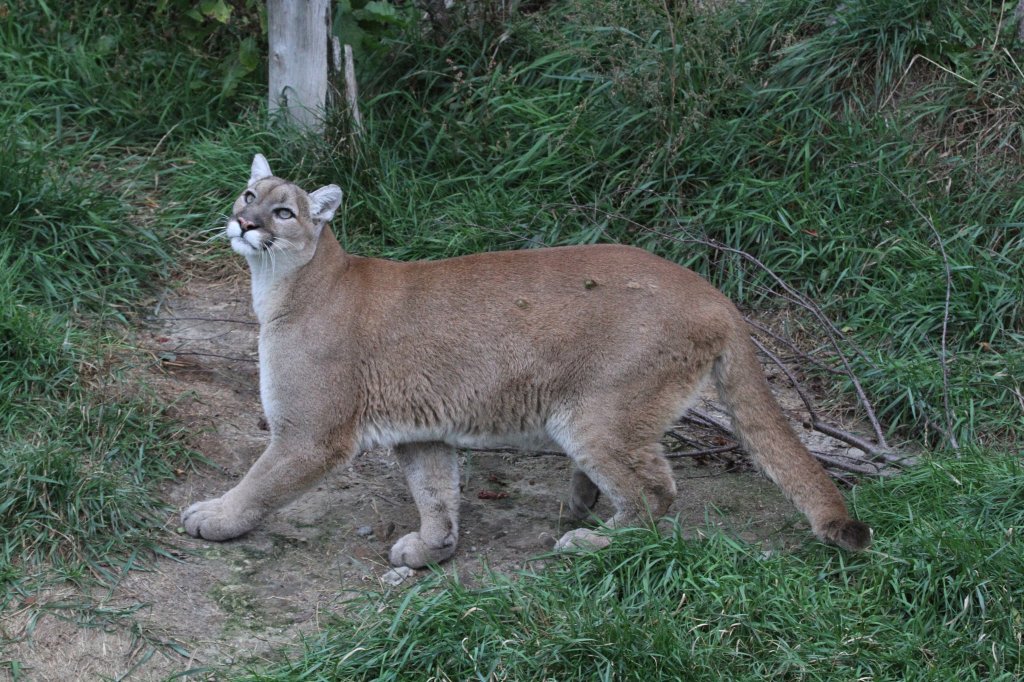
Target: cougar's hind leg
432, 471
623, 460
583, 495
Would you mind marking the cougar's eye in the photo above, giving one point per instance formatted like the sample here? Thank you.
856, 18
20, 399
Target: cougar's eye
283, 213
248, 197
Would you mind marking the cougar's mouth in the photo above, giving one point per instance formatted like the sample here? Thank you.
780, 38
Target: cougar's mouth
242, 244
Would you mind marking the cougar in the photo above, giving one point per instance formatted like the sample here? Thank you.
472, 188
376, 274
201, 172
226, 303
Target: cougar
594, 351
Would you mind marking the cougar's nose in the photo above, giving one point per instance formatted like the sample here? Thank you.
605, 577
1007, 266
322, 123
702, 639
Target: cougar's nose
246, 224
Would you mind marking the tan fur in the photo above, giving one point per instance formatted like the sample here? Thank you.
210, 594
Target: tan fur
595, 350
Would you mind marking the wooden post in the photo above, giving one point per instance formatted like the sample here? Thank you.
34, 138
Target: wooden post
299, 32
352, 91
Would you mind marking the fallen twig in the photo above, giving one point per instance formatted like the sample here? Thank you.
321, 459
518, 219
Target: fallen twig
824, 427
704, 452
202, 319
165, 352
808, 357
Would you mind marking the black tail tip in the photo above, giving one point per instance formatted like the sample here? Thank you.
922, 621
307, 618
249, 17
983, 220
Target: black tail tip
847, 533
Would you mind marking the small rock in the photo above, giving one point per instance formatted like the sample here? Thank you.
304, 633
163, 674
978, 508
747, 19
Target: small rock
397, 576
855, 453
364, 531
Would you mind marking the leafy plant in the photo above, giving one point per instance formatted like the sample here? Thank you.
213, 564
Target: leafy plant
211, 22
367, 24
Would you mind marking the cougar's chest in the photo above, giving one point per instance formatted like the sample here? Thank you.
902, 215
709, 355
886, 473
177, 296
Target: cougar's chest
303, 377
270, 384
289, 387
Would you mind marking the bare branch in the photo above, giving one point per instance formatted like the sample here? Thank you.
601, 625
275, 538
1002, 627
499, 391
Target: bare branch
702, 418
824, 427
850, 464
703, 452
793, 347
352, 90
951, 437
789, 375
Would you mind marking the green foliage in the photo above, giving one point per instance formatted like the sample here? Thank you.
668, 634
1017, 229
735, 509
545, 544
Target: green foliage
939, 597
65, 220
36, 347
77, 499
211, 23
78, 68
367, 24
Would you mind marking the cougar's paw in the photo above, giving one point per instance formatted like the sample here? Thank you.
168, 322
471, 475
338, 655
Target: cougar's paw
412, 551
216, 520
849, 534
582, 539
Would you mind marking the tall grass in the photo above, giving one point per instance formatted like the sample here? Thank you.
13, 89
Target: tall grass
844, 145
91, 92
118, 70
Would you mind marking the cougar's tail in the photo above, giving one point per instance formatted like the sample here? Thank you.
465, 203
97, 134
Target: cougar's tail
765, 433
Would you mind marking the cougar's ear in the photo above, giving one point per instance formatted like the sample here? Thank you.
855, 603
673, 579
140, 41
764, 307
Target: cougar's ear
260, 169
324, 202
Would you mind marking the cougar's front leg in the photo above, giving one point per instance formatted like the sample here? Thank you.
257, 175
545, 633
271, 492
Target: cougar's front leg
284, 470
432, 471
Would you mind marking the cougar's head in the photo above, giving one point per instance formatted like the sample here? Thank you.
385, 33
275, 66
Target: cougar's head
276, 222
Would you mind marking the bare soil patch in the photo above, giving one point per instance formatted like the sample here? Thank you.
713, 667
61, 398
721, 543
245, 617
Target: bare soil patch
240, 601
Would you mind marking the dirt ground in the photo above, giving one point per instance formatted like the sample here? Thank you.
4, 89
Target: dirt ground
237, 602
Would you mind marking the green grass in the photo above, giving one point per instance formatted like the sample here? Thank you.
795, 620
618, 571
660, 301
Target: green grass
118, 70
939, 597
75, 475
840, 143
